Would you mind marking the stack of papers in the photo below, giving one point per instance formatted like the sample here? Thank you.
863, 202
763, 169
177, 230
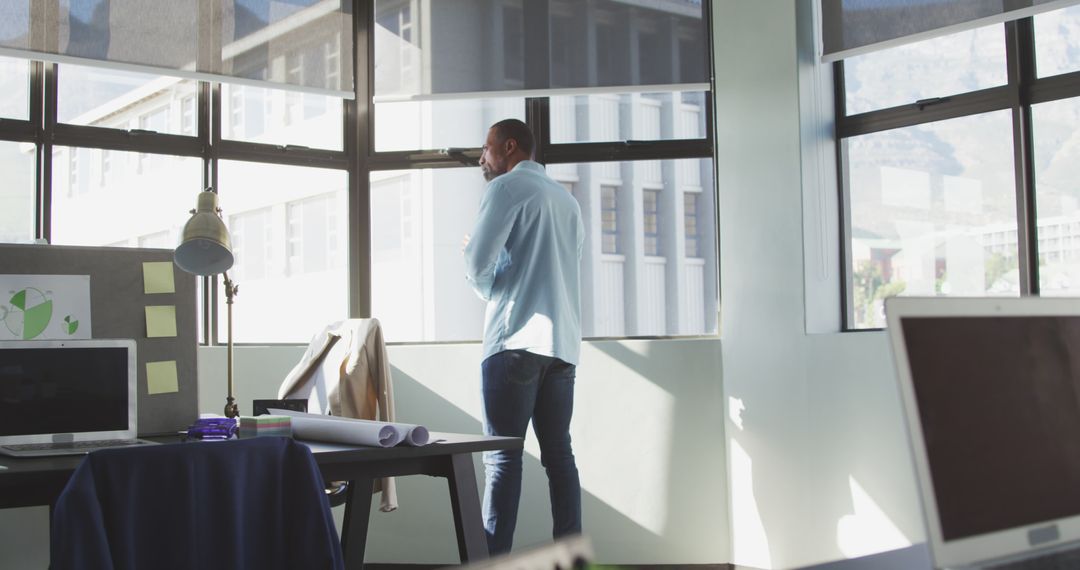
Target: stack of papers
261, 426
337, 429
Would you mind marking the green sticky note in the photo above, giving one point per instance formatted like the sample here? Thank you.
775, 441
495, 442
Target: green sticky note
158, 277
160, 321
161, 377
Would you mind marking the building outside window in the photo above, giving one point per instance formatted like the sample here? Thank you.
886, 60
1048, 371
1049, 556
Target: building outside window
651, 211
609, 218
690, 224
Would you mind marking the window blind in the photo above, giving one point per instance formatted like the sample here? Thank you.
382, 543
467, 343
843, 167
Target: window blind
853, 27
303, 45
434, 49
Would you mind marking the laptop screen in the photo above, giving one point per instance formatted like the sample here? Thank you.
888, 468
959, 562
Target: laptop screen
62, 388
999, 403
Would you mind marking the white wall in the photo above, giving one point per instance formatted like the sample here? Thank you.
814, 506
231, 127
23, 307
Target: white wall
818, 461
647, 434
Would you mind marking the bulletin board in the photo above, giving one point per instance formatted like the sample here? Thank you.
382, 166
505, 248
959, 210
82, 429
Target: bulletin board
138, 294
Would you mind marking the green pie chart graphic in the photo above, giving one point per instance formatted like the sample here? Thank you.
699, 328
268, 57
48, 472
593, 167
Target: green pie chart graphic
29, 314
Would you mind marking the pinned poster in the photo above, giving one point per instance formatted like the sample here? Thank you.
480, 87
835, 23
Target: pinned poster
160, 321
44, 307
158, 277
161, 377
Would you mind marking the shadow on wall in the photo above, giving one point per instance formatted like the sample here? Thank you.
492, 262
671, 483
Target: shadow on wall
652, 479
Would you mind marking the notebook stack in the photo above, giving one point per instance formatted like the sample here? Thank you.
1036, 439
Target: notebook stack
260, 426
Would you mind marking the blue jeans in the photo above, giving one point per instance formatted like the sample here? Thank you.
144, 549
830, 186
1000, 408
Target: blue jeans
519, 386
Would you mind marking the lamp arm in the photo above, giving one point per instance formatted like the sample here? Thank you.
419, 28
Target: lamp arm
231, 409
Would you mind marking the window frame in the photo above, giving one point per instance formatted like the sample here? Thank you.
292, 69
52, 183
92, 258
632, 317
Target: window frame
358, 157
1022, 90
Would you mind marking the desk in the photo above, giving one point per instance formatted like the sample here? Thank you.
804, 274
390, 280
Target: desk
35, 482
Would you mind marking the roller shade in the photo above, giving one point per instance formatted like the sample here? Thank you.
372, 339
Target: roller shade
853, 27
303, 45
439, 49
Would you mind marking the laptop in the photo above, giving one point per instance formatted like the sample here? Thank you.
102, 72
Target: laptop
991, 394
67, 397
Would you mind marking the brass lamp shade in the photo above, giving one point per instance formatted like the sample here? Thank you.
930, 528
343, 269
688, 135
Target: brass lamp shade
205, 247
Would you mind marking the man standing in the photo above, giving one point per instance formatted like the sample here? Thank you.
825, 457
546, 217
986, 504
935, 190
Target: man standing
523, 258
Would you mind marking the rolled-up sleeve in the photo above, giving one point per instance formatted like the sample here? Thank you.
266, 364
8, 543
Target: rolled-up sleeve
488, 239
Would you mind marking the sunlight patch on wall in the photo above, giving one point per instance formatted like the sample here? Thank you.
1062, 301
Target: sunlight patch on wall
630, 435
750, 544
868, 530
735, 410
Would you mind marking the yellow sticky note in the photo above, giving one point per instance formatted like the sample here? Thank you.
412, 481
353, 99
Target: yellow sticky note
160, 320
158, 277
161, 377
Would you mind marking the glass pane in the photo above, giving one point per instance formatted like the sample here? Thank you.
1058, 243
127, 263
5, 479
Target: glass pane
125, 100
639, 277
124, 199
921, 70
17, 162
1057, 41
628, 116
412, 125
306, 43
1057, 193
273, 116
418, 289
933, 212
14, 88
426, 47
290, 234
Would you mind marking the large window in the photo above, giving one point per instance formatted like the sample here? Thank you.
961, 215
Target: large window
957, 177
343, 208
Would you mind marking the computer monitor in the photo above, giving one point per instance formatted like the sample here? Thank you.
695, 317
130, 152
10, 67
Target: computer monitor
991, 393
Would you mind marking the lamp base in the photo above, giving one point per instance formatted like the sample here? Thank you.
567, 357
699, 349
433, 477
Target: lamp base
231, 409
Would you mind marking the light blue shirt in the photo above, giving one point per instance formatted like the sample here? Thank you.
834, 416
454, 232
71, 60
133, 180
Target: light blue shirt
524, 259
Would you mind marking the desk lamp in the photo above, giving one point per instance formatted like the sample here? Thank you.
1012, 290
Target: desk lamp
205, 249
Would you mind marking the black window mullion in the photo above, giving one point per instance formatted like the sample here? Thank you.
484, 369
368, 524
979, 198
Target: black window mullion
44, 92
360, 148
1064, 86
538, 117
847, 301
285, 155
917, 113
211, 284
1020, 58
125, 140
407, 160
209, 181
20, 131
628, 151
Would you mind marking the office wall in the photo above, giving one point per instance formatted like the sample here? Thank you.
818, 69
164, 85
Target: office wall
647, 434
818, 466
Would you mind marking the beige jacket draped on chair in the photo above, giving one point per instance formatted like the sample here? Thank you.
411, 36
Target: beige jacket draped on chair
346, 372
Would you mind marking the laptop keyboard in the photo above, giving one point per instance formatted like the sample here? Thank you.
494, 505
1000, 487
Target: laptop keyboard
1061, 560
81, 446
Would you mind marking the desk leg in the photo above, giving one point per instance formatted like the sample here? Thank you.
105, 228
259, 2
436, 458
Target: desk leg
465, 501
355, 526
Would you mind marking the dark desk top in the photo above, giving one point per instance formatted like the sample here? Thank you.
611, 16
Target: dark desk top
38, 481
